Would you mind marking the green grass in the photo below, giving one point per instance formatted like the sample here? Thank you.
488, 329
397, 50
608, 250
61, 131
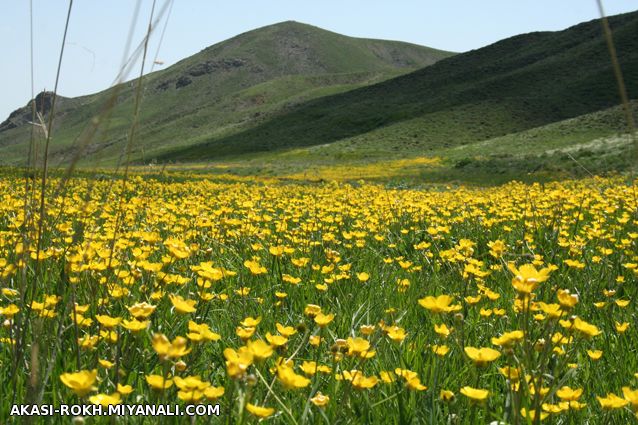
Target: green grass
595, 143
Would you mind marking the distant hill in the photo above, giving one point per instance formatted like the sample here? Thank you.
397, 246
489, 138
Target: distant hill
513, 85
227, 87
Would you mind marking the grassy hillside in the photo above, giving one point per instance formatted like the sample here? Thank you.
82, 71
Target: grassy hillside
225, 88
516, 84
594, 143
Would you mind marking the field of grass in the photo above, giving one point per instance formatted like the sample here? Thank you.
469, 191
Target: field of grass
322, 303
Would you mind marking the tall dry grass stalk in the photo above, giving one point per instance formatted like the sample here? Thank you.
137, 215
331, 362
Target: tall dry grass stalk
39, 217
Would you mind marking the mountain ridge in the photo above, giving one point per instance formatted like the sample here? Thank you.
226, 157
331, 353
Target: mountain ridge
187, 94
515, 84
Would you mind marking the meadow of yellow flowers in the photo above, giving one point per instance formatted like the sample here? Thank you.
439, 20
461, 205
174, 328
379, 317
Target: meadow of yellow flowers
323, 303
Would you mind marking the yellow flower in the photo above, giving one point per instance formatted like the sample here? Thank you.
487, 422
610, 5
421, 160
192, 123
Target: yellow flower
442, 330
554, 311
526, 277
177, 248
310, 368
482, 356
105, 363
631, 396
213, 393
290, 379
387, 377
475, 394
574, 264
566, 299
260, 349
621, 327
88, 342
170, 350
612, 401
254, 267
80, 382
276, 340
9, 311
243, 291
411, 378
190, 396
260, 412
106, 399
594, 354
472, 299
141, 310
568, 394
415, 384
312, 310
511, 373
9, 292
200, 332
440, 304
182, 305
359, 347
250, 322
486, 312
191, 388
497, 248
361, 382
323, 320
320, 400
286, 331
440, 350
277, 251
107, 321
135, 325
508, 338
238, 361
531, 414
124, 389
586, 329
110, 336
244, 333
395, 333
622, 303
158, 382
363, 277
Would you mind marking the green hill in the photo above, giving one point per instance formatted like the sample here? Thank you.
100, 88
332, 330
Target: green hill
595, 143
513, 85
225, 88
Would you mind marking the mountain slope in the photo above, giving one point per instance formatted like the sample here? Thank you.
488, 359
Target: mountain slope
226, 87
516, 84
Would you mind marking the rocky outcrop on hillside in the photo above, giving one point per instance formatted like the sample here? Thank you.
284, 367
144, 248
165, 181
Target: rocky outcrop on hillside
24, 115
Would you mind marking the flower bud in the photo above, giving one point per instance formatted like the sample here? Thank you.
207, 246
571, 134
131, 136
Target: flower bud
251, 380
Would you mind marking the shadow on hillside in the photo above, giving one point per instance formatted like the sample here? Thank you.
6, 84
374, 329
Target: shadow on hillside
532, 74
